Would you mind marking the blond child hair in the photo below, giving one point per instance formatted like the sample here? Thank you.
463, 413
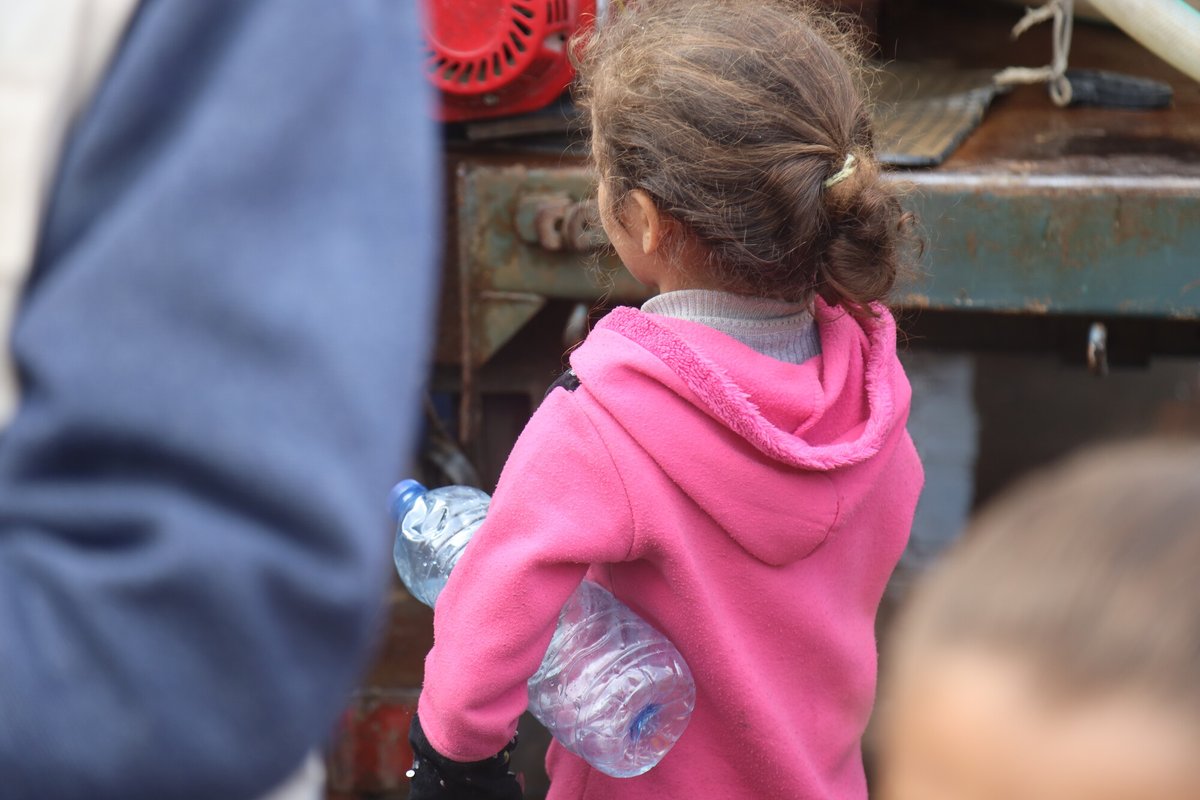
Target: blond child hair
1056, 651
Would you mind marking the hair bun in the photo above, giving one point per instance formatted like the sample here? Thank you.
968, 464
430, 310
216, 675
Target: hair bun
867, 228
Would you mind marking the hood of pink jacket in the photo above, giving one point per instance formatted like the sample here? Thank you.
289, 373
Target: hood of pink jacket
791, 427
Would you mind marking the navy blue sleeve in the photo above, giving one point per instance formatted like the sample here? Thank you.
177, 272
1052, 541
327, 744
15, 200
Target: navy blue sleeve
220, 350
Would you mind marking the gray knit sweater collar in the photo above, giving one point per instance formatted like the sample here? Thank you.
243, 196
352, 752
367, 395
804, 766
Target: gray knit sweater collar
784, 331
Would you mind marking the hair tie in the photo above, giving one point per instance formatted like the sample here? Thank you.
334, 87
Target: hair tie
845, 172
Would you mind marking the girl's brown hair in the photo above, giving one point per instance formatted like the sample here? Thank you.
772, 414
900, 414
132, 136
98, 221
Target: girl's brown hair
732, 115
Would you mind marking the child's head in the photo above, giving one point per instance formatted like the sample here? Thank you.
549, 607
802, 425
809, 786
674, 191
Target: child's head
1056, 653
742, 122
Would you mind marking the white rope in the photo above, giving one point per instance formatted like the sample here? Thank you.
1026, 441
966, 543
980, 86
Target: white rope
1054, 74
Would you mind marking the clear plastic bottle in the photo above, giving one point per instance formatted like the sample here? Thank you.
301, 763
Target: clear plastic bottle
611, 688
434, 528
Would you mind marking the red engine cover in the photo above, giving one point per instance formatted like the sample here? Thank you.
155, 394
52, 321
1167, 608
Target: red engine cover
492, 58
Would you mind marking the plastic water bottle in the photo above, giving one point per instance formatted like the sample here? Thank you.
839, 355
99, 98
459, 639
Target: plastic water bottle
434, 528
611, 688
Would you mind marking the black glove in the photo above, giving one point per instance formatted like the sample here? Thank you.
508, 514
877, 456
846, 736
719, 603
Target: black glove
435, 777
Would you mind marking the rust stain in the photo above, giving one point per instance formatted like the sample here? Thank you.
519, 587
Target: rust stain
1070, 243
1142, 225
1187, 287
972, 244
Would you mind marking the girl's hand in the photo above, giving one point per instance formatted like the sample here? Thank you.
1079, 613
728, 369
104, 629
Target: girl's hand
435, 777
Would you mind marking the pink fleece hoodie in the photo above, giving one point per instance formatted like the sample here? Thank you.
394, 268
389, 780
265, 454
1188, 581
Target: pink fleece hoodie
750, 509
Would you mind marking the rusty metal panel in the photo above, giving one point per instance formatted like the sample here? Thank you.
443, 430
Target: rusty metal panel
526, 235
371, 755
497, 210
1043, 244
1114, 245
1040, 211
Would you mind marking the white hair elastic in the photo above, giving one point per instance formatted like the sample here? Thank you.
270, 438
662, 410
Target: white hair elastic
845, 172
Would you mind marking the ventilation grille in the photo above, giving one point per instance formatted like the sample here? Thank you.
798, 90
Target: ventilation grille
510, 51
558, 11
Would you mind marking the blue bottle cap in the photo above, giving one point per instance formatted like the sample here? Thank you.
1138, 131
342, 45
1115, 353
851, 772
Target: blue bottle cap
402, 497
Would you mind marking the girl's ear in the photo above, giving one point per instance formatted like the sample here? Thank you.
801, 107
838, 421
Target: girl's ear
645, 221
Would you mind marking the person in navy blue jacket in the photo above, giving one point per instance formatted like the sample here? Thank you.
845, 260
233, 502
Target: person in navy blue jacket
219, 346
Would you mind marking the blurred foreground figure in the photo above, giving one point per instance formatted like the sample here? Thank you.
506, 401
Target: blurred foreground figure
1055, 655
211, 213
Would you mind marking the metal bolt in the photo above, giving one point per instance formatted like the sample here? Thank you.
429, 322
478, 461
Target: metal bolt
549, 221
564, 225
581, 226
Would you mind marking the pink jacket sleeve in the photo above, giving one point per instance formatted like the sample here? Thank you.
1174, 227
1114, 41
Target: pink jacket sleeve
560, 506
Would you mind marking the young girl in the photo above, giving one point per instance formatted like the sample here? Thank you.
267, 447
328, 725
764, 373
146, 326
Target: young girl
1055, 653
733, 463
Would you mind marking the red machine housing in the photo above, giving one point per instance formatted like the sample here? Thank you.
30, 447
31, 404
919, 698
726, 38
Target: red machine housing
494, 58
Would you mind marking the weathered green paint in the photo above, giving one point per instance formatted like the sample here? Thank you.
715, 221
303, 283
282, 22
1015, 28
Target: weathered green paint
1040, 244
500, 266
1051, 245
496, 225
